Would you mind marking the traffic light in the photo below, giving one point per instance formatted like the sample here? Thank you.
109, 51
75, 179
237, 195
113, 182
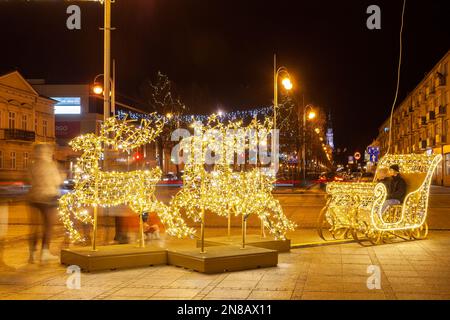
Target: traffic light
137, 156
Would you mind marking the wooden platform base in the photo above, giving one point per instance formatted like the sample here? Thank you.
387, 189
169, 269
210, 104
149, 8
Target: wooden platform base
219, 259
251, 240
114, 257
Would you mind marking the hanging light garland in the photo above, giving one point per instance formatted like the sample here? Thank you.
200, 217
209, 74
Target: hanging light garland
262, 113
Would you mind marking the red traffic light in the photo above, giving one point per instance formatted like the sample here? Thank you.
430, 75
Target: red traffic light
137, 156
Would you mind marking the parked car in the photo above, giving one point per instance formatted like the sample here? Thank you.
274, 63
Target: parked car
330, 177
170, 177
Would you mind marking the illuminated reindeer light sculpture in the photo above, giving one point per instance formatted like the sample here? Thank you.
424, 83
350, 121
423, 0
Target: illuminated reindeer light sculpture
94, 188
222, 190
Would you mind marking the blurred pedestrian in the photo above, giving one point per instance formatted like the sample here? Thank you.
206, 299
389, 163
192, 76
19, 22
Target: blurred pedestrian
152, 226
4, 211
45, 190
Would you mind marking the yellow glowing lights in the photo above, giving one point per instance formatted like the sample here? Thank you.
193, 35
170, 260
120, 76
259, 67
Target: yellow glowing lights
97, 89
217, 189
357, 208
220, 189
311, 115
287, 84
97, 188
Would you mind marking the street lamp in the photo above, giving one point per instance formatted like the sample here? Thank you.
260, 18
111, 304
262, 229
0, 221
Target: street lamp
98, 89
311, 116
287, 84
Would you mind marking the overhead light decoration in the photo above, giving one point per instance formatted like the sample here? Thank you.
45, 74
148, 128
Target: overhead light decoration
356, 208
96, 188
221, 189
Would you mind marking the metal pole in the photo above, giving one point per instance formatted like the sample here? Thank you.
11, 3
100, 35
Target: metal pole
275, 91
244, 227
94, 231
304, 146
141, 232
107, 60
229, 225
202, 231
113, 89
275, 105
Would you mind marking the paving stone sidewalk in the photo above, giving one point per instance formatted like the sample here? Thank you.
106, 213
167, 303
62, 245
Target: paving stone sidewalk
409, 270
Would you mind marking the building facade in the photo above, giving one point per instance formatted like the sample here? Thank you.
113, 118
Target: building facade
79, 111
421, 121
26, 118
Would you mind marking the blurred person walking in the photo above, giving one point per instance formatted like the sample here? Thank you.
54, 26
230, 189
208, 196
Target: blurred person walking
4, 211
45, 190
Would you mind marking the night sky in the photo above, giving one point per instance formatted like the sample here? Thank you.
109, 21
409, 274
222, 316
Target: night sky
220, 53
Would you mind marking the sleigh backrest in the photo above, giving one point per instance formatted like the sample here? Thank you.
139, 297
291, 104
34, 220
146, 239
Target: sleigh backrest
414, 168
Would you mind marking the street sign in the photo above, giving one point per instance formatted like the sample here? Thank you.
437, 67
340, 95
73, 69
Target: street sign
357, 155
350, 160
374, 153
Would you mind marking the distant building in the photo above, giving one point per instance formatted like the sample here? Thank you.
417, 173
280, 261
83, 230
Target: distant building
26, 117
421, 121
329, 134
78, 111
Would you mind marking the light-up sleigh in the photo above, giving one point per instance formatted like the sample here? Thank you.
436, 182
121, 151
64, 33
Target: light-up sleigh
355, 210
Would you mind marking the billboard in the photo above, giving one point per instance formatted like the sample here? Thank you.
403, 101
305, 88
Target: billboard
67, 129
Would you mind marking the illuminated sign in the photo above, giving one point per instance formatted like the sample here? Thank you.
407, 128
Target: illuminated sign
67, 105
374, 153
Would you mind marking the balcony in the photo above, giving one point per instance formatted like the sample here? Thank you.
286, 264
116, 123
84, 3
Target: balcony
431, 116
441, 111
440, 139
17, 135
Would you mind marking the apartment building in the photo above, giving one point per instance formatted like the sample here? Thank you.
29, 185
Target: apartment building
25, 118
421, 121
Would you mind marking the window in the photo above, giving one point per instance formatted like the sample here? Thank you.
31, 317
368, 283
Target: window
24, 122
44, 128
12, 120
1, 159
13, 160
25, 160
